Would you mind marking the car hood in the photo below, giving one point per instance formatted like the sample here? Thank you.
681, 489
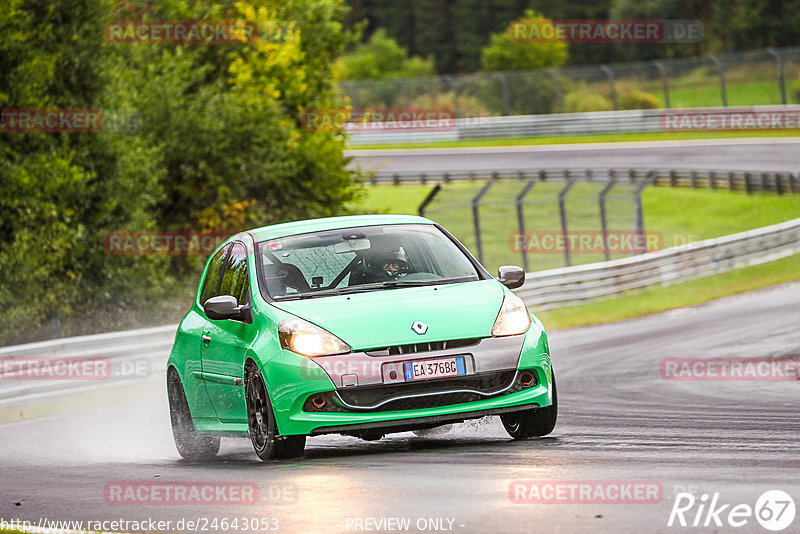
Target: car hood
383, 318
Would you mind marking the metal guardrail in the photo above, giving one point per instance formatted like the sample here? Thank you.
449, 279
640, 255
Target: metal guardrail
739, 181
129, 353
594, 122
569, 286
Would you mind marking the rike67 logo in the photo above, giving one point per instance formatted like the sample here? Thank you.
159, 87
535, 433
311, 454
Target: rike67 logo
774, 510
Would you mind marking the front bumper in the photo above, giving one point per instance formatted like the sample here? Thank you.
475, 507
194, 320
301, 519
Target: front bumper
292, 380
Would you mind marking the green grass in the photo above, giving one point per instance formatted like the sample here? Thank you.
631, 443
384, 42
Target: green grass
593, 138
658, 299
758, 93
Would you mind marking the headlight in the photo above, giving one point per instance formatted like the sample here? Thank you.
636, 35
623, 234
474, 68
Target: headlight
513, 318
308, 339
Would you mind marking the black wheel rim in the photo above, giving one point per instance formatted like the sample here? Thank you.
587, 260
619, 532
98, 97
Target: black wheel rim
258, 411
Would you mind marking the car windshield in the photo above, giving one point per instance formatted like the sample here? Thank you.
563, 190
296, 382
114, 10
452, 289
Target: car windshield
368, 258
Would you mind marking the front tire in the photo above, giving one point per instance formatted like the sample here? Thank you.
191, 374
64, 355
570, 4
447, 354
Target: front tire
268, 444
190, 444
537, 422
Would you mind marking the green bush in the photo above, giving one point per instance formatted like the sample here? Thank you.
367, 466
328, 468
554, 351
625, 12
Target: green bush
637, 99
584, 100
794, 91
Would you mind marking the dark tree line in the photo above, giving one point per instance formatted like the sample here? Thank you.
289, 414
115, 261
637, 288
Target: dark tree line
454, 31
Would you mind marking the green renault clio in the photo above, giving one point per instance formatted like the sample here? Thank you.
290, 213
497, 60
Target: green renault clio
363, 326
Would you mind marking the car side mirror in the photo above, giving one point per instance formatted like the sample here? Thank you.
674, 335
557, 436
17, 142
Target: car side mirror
511, 276
226, 307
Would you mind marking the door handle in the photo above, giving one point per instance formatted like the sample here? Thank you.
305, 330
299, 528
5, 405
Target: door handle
206, 338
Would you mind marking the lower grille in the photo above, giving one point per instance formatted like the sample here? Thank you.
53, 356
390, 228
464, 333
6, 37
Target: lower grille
420, 395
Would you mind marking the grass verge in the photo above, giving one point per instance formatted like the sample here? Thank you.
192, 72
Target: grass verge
658, 299
594, 138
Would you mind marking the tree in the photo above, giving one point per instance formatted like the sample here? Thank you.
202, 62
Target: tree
452, 31
527, 92
505, 54
219, 146
381, 57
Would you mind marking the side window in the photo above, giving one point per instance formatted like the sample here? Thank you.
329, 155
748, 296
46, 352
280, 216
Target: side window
235, 280
211, 282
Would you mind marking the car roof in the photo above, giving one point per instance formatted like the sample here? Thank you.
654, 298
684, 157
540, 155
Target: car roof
331, 223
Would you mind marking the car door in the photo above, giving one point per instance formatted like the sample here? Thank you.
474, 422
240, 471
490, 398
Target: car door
225, 343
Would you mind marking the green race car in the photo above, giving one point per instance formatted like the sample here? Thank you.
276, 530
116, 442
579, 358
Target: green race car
362, 326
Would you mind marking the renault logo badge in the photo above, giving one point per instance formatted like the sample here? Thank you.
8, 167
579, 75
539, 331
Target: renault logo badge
419, 327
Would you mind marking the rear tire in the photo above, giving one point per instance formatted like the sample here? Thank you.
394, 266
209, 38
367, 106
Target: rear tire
268, 444
190, 444
537, 422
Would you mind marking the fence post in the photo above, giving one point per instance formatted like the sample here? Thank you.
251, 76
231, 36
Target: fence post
506, 94
747, 187
403, 83
557, 84
781, 74
731, 181
664, 82
612, 181
428, 199
651, 176
476, 223
451, 83
521, 220
562, 210
611, 86
722, 85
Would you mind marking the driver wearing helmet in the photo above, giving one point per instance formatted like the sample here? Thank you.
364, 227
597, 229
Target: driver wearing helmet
387, 265
381, 266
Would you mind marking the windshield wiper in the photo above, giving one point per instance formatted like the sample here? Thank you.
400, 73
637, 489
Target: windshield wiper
310, 295
420, 283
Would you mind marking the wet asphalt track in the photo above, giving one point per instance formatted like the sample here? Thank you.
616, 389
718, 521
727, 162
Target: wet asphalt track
778, 154
619, 421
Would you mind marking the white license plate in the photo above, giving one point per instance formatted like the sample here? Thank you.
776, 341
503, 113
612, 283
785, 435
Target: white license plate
438, 368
